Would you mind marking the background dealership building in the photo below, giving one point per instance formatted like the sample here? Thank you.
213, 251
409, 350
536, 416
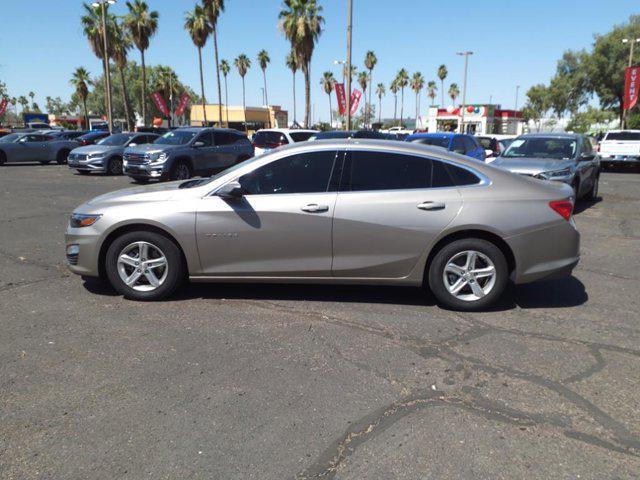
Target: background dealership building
254, 118
478, 119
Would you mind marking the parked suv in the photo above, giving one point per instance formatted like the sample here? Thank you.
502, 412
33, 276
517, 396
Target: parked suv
454, 142
268, 139
186, 152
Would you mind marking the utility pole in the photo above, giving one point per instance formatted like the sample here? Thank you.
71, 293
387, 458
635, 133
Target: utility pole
102, 4
632, 42
348, 89
517, 91
464, 86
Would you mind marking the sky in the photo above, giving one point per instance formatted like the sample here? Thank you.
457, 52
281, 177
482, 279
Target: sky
515, 42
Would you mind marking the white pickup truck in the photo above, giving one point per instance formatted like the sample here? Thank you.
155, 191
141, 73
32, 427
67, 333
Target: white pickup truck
620, 147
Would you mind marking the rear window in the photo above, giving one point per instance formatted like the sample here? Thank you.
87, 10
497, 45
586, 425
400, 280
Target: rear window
301, 136
269, 139
486, 142
623, 136
434, 141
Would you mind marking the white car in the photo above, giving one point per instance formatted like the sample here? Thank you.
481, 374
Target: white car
270, 138
620, 147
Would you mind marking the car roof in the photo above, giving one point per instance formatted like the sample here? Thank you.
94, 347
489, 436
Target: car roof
551, 135
434, 135
286, 130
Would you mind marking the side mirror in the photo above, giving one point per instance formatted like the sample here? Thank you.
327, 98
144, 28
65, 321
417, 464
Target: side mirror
198, 144
587, 157
230, 190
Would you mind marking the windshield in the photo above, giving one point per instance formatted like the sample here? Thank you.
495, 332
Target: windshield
116, 140
485, 142
435, 141
176, 137
633, 136
12, 137
269, 139
540, 147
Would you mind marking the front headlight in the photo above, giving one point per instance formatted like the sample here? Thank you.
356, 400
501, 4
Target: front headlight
555, 173
78, 220
158, 157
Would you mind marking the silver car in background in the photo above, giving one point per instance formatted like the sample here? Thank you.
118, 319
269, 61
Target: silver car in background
34, 147
337, 211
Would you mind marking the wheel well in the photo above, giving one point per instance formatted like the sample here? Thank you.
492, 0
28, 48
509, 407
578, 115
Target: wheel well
482, 234
63, 151
136, 227
186, 160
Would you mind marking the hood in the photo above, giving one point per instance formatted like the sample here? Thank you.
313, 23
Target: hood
530, 165
151, 193
151, 148
92, 149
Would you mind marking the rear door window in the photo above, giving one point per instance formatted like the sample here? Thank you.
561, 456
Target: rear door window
224, 138
206, 138
370, 170
469, 144
268, 139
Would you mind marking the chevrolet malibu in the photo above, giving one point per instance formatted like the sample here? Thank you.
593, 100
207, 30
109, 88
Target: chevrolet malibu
340, 212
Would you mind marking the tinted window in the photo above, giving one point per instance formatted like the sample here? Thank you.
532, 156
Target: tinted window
435, 141
269, 139
440, 175
458, 145
623, 136
542, 147
176, 137
487, 143
331, 135
302, 173
225, 138
116, 140
387, 171
462, 176
469, 144
300, 136
206, 138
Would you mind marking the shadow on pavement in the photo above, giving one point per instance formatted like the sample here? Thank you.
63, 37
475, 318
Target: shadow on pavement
583, 205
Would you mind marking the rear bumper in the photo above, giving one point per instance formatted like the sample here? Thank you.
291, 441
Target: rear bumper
620, 159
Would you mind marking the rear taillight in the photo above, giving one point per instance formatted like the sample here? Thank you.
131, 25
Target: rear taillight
564, 208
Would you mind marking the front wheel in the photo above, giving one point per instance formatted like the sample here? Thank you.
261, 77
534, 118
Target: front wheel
180, 171
468, 274
114, 167
144, 266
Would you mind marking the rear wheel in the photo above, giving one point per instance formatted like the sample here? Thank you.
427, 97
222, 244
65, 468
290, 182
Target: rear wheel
180, 171
114, 167
3, 158
61, 157
576, 190
144, 266
468, 274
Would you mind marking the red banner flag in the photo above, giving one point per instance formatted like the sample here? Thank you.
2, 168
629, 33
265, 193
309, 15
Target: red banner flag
342, 99
356, 95
182, 106
3, 106
161, 105
631, 87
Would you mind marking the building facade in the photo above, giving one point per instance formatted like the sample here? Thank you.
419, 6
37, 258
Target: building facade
249, 119
480, 119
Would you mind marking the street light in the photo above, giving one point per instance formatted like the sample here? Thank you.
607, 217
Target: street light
102, 4
464, 85
348, 90
631, 42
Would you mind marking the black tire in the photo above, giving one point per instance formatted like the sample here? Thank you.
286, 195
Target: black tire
45, 162
3, 158
61, 157
175, 273
180, 171
140, 180
457, 247
114, 166
576, 190
593, 191
83, 172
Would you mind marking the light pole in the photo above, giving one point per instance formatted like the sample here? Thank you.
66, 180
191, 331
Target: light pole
631, 42
464, 85
102, 4
348, 72
517, 91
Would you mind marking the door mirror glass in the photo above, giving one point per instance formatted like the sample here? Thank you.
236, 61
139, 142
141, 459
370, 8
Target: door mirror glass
230, 190
198, 144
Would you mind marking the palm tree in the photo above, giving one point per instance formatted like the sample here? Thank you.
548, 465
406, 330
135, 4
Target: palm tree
363, 79
199, 28
214, 8
442, 74
80, 81
301, 22
380, 91
417, 84
403, 80
32, 96
292, 64
225, 68
243, 64
432, 90
354, 72
454, 92
394, 87
263, 60
120, 46
24, 103
142, 25
327, 81
370, 61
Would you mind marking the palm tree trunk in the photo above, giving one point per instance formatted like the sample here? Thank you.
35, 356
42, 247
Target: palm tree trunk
104, 74
86, 113
395, 107
307, 95
401, 105
266, 94
244, 108
417, 109
215, 48
379, 109
204, 101
144, 89
127, 104
294, 98
226, 101
330, 110
442, 92
370, 89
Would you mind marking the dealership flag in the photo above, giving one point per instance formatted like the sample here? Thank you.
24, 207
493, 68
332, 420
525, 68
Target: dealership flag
342, 100
631, 87
161, 105
356, 95
3, 106
184, 101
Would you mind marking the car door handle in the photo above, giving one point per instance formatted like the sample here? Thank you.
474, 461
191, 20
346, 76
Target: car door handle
431, 206
315, 208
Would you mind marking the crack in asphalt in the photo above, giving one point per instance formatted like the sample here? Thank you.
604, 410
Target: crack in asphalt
623, 441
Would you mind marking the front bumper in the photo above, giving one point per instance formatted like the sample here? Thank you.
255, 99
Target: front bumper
82, 249
143, 170
93, 165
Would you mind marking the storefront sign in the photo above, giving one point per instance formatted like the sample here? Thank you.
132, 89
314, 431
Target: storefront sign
342, 100
631, 87
161, 105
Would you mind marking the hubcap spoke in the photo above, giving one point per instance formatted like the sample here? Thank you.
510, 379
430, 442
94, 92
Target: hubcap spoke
133, 278
459, 285
476, 289
128, 260
471, 260
483, 272
156, 262
455, 269
153, 280
143, 250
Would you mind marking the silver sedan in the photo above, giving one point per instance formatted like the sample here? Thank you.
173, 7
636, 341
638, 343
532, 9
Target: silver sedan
337, 211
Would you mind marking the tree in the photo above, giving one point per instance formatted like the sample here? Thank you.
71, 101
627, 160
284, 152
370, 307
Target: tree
199, 28
380, 91
454, 92
394, 87
432, 90
442, 75
80, 81
142, 25
243, 64
417, 84
569, 88
225, 68
537, 104
370, 61
24, 103
327, 81
301, 22
214, 8
263, 61
119, 50
583, 122
403, 80
56, 106
363, 79
32, 96
292, 64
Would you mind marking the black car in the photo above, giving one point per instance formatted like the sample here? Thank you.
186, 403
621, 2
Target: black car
92, 137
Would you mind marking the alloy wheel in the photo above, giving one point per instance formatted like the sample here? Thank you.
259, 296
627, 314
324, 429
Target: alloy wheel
142, 266
115, 167
469, 275
182, 172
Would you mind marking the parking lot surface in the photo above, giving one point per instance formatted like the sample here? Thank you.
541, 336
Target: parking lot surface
273, 382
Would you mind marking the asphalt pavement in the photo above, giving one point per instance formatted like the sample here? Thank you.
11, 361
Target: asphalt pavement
277, 382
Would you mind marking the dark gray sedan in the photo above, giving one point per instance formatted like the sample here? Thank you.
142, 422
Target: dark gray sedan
106, 155
34, 147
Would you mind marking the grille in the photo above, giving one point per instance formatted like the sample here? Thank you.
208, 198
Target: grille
134, 158
77, 156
